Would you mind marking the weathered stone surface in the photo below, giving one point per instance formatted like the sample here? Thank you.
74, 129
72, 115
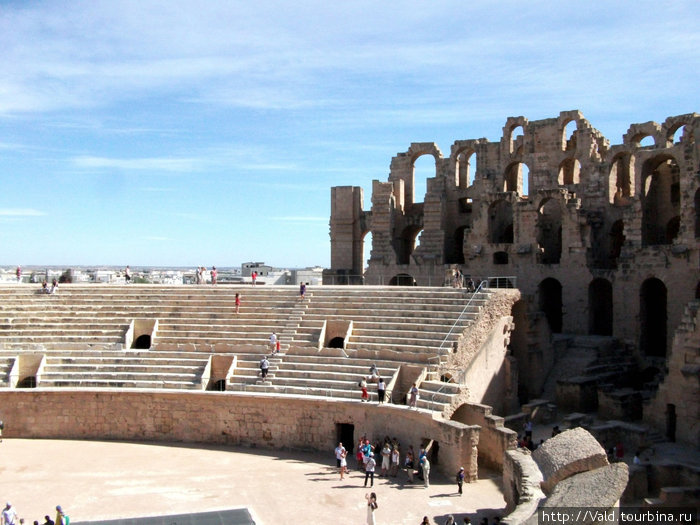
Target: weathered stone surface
567, 454
521, 485
602, 488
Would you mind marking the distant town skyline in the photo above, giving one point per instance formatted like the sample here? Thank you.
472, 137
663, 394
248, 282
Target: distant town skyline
183, 134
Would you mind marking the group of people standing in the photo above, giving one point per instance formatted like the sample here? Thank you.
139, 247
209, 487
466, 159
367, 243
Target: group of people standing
200, 275
9, 516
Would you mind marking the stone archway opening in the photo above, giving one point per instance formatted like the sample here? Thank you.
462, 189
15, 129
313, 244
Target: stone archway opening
619, 180
550, 302
569, 172
465, 168
549, 232
142, 342
501, 222
600, 307
336, 342
405, 244
660, 200
402, 279
653, 317
517, 178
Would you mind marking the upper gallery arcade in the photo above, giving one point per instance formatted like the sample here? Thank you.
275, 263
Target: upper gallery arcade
602, 239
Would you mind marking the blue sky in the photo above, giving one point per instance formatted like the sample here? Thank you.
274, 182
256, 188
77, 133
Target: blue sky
209, 133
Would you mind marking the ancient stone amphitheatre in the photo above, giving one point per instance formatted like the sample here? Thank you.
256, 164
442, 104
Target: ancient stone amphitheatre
584, 258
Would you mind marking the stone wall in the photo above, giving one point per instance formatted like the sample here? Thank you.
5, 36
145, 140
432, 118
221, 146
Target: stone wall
600, 239
263, 421
494, 438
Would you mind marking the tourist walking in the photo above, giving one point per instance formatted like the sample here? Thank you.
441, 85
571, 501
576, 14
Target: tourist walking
381, 390
302, 291
426, 471
363, 388
9, 515
370, 465
413, 396
343, 464
127, 275
339, 454
273, 342
460, 480
371, 507
213, 274
18, 272
61, 517
408, 463
386, 459
264, 366
395, 458
237, 302
253, 277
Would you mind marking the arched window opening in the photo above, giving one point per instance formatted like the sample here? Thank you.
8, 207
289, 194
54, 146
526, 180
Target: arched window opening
465, 169
517, 135
405, 244
454, 246
423, 169
366, 251
501, 222
402, 279
569, 136
142, 342
600, 307
675, 135
653, 318
569, 172
517, 178
549, 232
673, 227
617, 239
646, 141
550, 302
336, 342
661, 201
697, 213
620, 184
27, 382
219, 386
500, 258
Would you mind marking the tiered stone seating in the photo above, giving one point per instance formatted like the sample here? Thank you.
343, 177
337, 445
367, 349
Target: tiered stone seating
410, 323
81, 332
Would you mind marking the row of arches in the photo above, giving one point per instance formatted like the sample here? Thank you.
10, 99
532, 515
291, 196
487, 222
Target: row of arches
652, 311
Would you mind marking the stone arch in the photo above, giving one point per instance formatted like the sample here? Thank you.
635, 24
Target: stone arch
405, 243
516, 178
653, 318
697, 213
568, 135
620, 184
421, 174
600, 307
617, 239
515, 139
454, 246
465, 167
501, 222
402, 279
660, 200
549, 294
569, 171
549, 231
142, 342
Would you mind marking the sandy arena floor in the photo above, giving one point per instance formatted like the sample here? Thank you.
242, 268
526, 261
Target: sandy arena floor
107, 480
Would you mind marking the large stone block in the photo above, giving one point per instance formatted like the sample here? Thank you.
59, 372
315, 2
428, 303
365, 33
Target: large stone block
567, 454
601, 488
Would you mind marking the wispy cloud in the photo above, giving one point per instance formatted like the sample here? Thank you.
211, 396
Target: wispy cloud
299, 219
168, 164
21, 212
